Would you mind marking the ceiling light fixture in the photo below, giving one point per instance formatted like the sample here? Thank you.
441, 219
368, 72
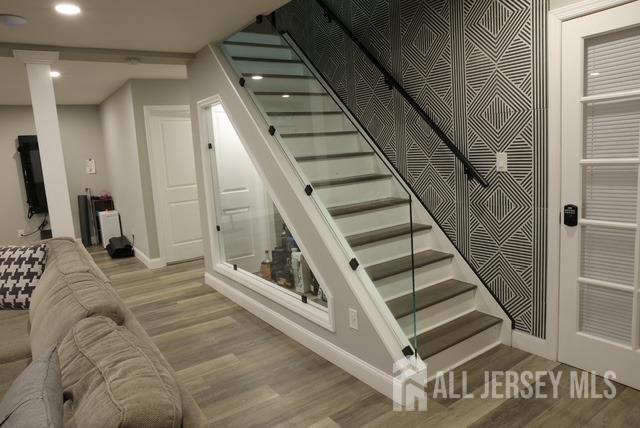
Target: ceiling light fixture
257, 77
67, 9
594, 74
286, 96
9, 20
55, 74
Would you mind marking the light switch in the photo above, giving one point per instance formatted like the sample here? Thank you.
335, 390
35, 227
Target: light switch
353, 318
501, 162
91, 166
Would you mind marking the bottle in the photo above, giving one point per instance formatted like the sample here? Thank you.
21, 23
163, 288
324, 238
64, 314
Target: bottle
265, 266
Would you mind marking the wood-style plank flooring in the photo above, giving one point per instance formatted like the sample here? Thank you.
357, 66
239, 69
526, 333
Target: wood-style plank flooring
243, 372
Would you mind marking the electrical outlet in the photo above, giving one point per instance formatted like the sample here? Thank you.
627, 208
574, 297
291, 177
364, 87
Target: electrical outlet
353, 318
20, 233
90, 166
501, 162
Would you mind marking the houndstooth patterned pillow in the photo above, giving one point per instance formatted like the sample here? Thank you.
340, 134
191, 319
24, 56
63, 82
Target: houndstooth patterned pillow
20, 271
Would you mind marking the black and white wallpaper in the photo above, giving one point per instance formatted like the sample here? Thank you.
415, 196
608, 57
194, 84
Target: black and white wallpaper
478, 68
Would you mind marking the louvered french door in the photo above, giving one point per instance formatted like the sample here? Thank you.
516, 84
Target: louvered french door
599, 299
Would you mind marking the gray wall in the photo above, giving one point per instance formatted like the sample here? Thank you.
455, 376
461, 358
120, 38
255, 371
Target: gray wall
81, 139
126, 145
479, 69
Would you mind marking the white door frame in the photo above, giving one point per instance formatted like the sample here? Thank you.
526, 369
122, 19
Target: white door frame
554, 171
151, 111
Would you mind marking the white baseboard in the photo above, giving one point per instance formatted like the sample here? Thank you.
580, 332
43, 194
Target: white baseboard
150, 263
534, 345
372, 376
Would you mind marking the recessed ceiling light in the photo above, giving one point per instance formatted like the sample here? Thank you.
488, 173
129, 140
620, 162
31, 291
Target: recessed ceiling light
286, 96
594, 74
55, 74
257, 77
12, 20
68, 9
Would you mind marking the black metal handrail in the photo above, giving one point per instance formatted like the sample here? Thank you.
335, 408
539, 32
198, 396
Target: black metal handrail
469, 169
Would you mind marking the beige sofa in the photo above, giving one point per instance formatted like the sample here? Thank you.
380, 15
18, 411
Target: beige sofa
73, 288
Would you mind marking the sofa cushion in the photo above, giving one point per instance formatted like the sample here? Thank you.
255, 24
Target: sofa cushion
112, 379
71, 288
35, 398
14, 337
20, 271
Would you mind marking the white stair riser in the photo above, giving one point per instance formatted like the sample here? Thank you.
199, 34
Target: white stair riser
297, 103
314, 146
256, 67
259, 52
267, 39
464, 351
311, 123
356, 192
373, 219
282, 84
401, 284
340, 167
434, 315
394, 247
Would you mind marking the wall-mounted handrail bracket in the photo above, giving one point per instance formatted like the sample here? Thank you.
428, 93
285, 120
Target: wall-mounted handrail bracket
304, 299
354, 263
308, 189
242, 81
393, 83
218, 228
272, 130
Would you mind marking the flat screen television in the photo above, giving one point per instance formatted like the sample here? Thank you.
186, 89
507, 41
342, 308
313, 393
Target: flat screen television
32, 174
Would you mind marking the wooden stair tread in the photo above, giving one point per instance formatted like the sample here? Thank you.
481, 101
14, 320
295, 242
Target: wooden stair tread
333, 156
384, 233
317, 134
359, 207
252, 59
349, 180
303, 113
277, 76
255, 45
403, 264
428, 296
447, 335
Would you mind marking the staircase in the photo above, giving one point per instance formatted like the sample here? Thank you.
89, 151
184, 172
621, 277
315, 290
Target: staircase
455, 316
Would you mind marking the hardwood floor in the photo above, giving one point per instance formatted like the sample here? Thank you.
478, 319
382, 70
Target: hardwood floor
245, 373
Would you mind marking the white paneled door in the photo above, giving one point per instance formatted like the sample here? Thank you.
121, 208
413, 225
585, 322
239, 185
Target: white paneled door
599, 306
170, 143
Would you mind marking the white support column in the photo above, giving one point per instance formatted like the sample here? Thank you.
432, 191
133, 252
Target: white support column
45, 113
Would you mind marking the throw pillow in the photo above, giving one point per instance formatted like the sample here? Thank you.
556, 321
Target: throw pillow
20, 271
35, 398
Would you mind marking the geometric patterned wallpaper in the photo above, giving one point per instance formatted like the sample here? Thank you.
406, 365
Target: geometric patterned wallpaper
478, 67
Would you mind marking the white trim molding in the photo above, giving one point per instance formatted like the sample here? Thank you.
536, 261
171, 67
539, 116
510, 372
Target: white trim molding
150, 263
583, 8
363, 371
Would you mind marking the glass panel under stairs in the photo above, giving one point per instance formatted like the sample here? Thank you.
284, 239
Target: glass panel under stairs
367, 206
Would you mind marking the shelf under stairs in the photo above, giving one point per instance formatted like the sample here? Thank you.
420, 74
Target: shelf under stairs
358, 192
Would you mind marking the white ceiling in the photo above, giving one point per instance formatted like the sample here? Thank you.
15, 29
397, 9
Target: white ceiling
81, 82
179, 26
156, 25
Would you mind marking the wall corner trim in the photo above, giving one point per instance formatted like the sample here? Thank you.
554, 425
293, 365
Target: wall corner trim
365, 372
150, 263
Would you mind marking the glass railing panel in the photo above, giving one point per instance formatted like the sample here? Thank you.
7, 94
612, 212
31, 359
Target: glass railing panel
254, 237
362, 197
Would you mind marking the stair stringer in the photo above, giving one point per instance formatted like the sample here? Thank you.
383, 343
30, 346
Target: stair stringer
271, 160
